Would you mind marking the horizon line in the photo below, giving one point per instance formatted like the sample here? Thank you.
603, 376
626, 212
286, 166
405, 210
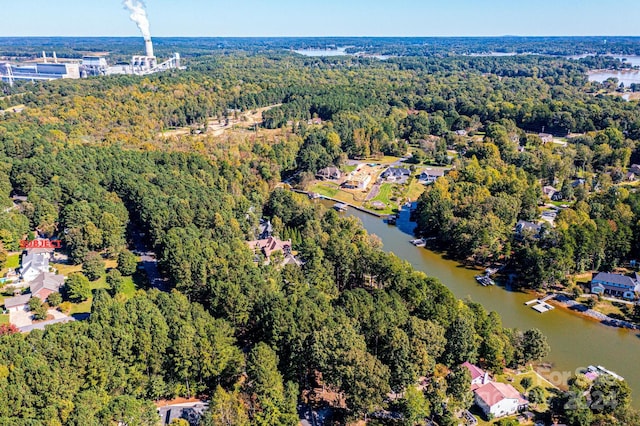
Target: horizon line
324, 36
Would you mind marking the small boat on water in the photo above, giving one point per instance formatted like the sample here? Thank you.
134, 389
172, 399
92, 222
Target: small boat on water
420, 242
485, 280
392, 219
490, 271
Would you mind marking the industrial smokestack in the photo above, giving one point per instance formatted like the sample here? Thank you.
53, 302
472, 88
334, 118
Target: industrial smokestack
148, 44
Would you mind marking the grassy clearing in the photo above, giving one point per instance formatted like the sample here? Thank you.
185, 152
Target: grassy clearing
130, 286
4, 319
414, 190
348, 169
331, 190
386, 192
13, 260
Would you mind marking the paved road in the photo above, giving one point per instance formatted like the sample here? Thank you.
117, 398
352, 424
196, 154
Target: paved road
43, 324
150, 263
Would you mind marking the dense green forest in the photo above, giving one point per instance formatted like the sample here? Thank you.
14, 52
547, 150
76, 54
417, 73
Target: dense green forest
29, 47
93, 160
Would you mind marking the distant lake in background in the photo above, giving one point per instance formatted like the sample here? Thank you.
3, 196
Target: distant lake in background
340, 51
626, 77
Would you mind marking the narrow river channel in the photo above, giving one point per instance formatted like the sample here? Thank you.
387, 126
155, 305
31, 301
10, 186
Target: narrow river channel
575, 342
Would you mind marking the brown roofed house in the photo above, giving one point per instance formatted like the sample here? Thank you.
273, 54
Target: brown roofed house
270, 245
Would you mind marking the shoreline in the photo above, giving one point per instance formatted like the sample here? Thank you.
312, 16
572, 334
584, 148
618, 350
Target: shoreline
565, 303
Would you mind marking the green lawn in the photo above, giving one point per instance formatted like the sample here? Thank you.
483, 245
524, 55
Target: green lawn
129, 288
325, 189
4, 319
13, 260
387, 190
348, 169
415, 189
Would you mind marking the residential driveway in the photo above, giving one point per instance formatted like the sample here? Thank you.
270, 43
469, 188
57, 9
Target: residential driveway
56, 314
20, 318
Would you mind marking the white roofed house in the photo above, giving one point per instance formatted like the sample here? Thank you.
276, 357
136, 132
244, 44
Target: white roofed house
35, 262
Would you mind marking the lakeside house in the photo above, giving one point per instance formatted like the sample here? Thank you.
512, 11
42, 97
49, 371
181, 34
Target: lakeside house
635, 169
357, 181
329, 173
525, 229
41, 287
268, 246
494, 399
479, 377
429, 176
395, 173
499, 399
616, 285
630, 177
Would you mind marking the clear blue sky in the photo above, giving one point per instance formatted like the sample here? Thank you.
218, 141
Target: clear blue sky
217, 18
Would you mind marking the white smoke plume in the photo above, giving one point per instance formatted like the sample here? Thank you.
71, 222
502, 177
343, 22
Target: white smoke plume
139, 16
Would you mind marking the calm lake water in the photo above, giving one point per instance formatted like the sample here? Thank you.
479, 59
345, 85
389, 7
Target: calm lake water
340, 51
575, 342
626, 77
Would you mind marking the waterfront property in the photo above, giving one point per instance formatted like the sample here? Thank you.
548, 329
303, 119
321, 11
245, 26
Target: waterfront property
499, 399
616, 285
329, 173
527, 229
357, 181
399, 174
479, 377
575, 340
429, 176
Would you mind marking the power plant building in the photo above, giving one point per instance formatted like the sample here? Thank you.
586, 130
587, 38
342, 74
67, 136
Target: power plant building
38, 71
90, 66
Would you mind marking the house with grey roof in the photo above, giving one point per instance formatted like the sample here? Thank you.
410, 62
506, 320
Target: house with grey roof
395, 173
329, 173
552, 193
35, 262
616, 285
191, 412
430, 175
45, 284
527, 229
41, 287
17, 303
545, 137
